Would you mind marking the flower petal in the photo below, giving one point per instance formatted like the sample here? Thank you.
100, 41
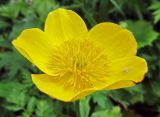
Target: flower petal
117, 41
56, 88
36, 47
62, 24
127, 71
120, 84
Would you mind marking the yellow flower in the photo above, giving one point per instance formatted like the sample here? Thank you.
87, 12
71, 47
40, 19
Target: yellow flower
78, 62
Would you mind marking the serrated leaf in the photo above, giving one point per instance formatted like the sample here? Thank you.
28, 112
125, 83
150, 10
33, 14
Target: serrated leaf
143, 32
102, 100
15, 95
45, 109
20, 25
115, 112
31, 105
6, 89
128, 96
43, 7
18, 62
155, 8
9, 11
13, 107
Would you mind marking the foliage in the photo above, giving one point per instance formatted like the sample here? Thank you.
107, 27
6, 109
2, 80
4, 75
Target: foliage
155, 8
142, 30
20, 98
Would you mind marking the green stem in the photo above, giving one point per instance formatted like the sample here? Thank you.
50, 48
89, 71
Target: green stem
76, 106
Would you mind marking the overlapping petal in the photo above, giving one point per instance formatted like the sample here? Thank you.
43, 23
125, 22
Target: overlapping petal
56, 87
63, 24
117, 41
127, 72
36, 46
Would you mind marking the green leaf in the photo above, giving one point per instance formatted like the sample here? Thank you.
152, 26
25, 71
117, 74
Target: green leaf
84, 107
45, 109
16, 101
128, 96
3, 24
6, 89
155, 8
142, 30
115, 112
18, 63
117, 7
43, 7
156, 87
137, 93
8, 11
102, 100
31, 105
13, 9
20, 25
15, 95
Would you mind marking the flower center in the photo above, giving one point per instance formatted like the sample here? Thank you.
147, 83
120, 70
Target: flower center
82, 62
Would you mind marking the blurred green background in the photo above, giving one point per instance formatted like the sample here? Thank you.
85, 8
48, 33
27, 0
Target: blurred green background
20, 98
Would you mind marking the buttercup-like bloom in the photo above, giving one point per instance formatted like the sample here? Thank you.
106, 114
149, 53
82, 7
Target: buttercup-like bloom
77, 62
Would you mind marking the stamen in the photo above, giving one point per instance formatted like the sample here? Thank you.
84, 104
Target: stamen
83, 60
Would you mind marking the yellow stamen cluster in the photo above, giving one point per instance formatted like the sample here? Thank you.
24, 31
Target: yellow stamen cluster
82, 61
